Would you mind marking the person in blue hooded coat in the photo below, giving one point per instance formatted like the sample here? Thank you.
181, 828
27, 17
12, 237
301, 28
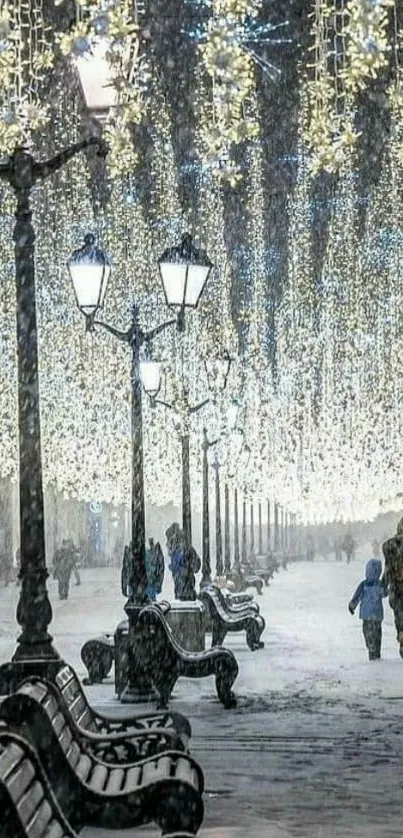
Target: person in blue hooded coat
369, 596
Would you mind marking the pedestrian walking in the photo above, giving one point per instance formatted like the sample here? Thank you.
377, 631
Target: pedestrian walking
393, 578
348, 546
76, 564
369, 596
63, 563
155, 567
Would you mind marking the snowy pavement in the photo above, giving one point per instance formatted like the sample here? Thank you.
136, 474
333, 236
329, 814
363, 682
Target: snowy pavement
314, 748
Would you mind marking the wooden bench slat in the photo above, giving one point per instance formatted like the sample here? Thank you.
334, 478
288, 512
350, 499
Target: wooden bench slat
42, 817
30, 801
73, 754
20, 779
133, 777
115, 780
9, 758
83, 767
55, 830
99, 777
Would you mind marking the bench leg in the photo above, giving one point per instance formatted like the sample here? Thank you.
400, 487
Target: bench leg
178, 814
224, 681
253, 634
218, 633
164, 686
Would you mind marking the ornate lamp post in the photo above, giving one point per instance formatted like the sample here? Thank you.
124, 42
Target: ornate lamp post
183, 280
243, 548
218, 534
152, 392
268, 528
206, 564
237, 562
35, 653
260, 529
276, 530
252, 530
227, 537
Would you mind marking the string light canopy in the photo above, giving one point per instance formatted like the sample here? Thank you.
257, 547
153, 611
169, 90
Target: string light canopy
184, 271
90, 270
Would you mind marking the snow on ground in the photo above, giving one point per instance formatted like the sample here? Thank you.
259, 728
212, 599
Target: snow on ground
314, 748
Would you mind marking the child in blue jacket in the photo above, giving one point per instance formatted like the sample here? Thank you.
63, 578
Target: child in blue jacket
369, 594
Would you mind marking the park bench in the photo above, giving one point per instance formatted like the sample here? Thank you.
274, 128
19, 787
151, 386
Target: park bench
114, 747
263, 566
243, 581
166, 788
249, 607
223, 621
164, 661
97, 656
28, 806
73, 695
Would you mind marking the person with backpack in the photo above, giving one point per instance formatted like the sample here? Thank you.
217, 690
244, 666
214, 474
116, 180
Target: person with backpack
369, 596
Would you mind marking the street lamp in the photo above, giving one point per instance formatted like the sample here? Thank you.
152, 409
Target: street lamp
206, 564
149, 383
276, 528
35, 654
150, 375
135, 338
89, 270
184, 271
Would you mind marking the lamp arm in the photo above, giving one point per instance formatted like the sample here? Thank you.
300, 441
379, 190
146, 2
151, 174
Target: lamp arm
198, 407
165, 404
148, 336
123, 336
47, 167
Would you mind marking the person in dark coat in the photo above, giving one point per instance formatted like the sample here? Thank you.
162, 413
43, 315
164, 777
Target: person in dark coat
155, 567
369, 595
184, 564
63, 562
348, 546
393, 578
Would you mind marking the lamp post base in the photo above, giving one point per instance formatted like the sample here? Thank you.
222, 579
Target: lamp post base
139, 688
13, 673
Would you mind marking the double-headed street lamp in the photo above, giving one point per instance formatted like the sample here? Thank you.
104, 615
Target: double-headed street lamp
184, 271
35, 653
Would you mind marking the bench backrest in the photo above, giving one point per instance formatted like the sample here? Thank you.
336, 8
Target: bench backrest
157, 635
27, 803
74, 697
214, 604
